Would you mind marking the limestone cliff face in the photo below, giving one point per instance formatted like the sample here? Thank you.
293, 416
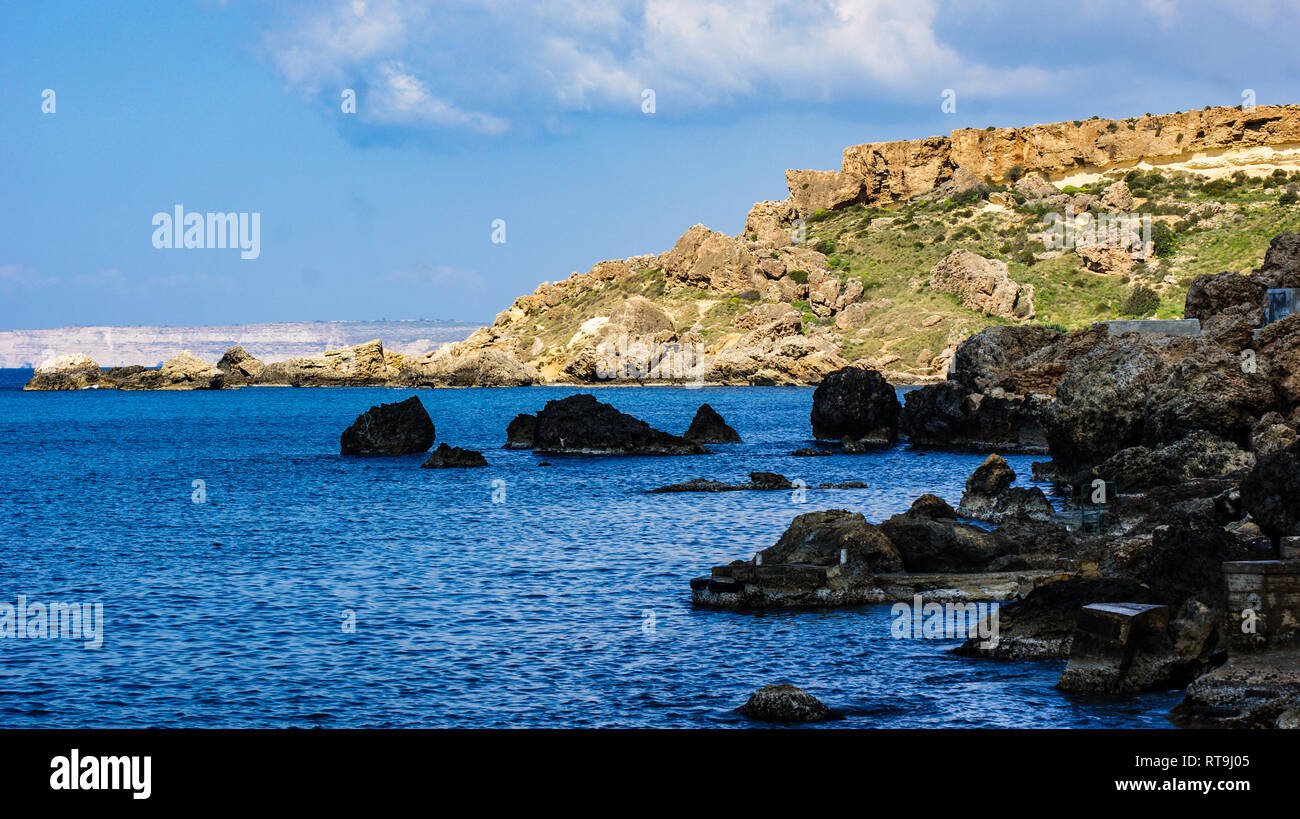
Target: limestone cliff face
1211, 141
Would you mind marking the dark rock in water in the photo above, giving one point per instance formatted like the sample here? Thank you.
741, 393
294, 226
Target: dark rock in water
69, 372
811, 452
758, 481
857, 404
519, 434
929, 544
947, 415
1271, 492
843, 485
699, 485
990, 496
1040, 626
579, 424
931, 506
818, 538
453, 457
862, 446
402, 428
785, 703
769, 480
1128, 648
708, 428
991, 477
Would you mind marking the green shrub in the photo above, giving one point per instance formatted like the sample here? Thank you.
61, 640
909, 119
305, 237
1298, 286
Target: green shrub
1141, 301
1163, 240
1288, 198
799, 276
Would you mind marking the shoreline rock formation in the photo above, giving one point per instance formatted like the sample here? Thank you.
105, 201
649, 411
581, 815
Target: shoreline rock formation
581, 425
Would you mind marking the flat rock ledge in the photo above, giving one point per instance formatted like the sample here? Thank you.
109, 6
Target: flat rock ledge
1255, 690
758, 482
793, 586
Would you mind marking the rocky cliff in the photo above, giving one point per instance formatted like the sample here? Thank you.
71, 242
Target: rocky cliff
1213, 141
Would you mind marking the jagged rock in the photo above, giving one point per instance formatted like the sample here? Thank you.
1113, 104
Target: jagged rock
357, 366
1040, 626
519, 433
1036, 189
1233, 329
1207, 390
948, 415
401, 428
68, 372
1272, 433
185, 371
1117, 198
1101, 404
580, 424
1106, 259
1181, 559
770, 223
989, 358
1199, 455
453, 457
1277, 349
982, 284
991, 477
1271, 492
818, 538
239, 367
989, 495
811, 191
1215, 293
855, 403
707, 427
785, 703
930, 544
1256, 690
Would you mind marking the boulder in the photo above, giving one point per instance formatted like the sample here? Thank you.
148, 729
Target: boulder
68, 372
931, 544
784, 703
824, 538
989, 495
989, 358
1214, 293
239, 367
707, 427
519, 433
580, 424
948, 415
1208, 390
401, 428
931, 506
1117, 198
982, 284
453, 457
855, 403
184, 371
1277, 352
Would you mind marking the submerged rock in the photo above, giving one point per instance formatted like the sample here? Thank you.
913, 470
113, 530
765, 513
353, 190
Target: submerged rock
401, 428
453, 457
579, 424
857, 404
707, 427
784, 703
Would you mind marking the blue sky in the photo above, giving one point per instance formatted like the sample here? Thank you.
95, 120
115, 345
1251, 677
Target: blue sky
468, 112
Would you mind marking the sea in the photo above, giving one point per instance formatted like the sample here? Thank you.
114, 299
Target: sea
247, 575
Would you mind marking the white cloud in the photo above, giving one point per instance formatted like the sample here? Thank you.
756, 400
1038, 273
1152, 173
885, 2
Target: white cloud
485, 65
24, 276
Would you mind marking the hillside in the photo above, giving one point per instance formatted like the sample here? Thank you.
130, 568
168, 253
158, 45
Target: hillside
861, 283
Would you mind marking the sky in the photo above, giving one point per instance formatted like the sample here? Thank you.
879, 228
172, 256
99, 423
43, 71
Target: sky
524, 122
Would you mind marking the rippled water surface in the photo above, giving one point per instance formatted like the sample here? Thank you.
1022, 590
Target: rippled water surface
568, 604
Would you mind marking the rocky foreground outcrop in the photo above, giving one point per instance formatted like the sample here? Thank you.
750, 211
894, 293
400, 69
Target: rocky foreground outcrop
581, 425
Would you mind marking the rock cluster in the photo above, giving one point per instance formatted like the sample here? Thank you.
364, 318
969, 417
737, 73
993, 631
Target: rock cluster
580, 424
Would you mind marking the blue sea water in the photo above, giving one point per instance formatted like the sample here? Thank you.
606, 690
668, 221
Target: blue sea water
566, 604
